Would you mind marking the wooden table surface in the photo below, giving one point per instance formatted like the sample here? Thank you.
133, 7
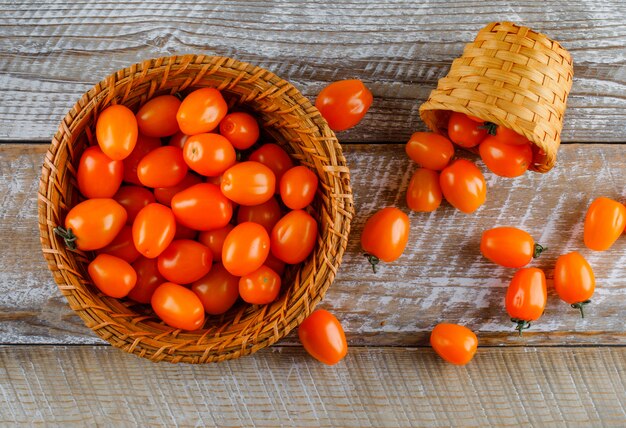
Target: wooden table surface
565, 370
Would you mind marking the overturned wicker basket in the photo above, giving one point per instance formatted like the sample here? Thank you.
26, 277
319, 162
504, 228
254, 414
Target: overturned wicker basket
512, 76
287, 117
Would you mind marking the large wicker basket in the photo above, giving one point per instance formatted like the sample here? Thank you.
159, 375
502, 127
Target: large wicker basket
286, 117
512, 76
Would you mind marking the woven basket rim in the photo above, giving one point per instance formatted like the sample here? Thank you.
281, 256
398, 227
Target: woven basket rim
290, 114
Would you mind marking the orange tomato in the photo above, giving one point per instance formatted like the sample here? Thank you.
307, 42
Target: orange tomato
148, 279
464, 131
297, 187
98, 175
526, 297
505, 160
344, 103
157, 117
162, 167
260, 287
201, 111
144, 146
241, 129
574, 280
202, 207
273, 157
164, 195
323, 338
266, 214
116, 131
509, 136
293, 237
385, 236
153, 230
245, 248
509, 247
454, 343
92, 224
424, 192
604, 223
214, 240
248, 183
113, 276
185, 261
430, 150
178, 140
218, 290
177, 306
122, 246
209, 154
463, 185
133, 199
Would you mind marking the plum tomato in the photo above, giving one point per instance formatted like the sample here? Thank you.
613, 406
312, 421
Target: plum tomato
218, 290
465, 132
505, 160
153, 230
344, 103
275, 158
164, 195
202, 207
144, 146
98, 175
454, 343
323, 338
116, 131
385, 236
133, 199
297, 187
604, 223
574, 280
157, 117
430, 150
162, 167
526, 297
424, 191
260, 287
463, 185
178, 140
214, 240
113, 276
148, 279
241, 129
185, 261
266, 214
201, 111
248, 183
245, 248
122, 246
293, 237
508, 136
509, 246
178, 306
209, 154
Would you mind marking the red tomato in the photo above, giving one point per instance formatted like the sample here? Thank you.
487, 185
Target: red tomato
201, 111
112, 275
274, 263
177, 306
505, 160
293, 237
214, 240
323, 338
245, 248
424, 192
454, 343
241, 129
259, 287
162, 167
144, 146
148, 279
266, 214
273, 157
157, 117
202, 207
133, 199
463, 185
526, 297
574, 280
209, 154
218, 290
344, 103
464, 131
297, 187
430, 150
116, 131
122, 246
178, 140
509, 247
153, 230
92, 224
185, 261
508, 136
248, 183
184, 232
164, 195
604, 223
98, 175
385, 235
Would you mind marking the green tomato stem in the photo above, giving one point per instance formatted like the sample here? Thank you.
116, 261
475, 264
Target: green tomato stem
373, 260
538, 250
521, 325
581, 306
67, 235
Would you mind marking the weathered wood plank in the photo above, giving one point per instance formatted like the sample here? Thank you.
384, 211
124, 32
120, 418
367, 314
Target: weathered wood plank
371, 387
53, 51
441, 277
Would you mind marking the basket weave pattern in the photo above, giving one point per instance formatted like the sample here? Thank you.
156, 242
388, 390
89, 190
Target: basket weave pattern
511, 76
286, 116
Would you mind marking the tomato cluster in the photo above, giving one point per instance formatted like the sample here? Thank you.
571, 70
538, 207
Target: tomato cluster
177, 221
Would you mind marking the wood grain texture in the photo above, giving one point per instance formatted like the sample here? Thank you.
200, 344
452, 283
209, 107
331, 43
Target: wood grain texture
441, 276
53, 51
371, 388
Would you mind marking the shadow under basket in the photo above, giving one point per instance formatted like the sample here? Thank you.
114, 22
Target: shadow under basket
287, 118
511, 76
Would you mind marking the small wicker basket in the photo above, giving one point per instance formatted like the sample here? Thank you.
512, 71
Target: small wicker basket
286, 117
511, 76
